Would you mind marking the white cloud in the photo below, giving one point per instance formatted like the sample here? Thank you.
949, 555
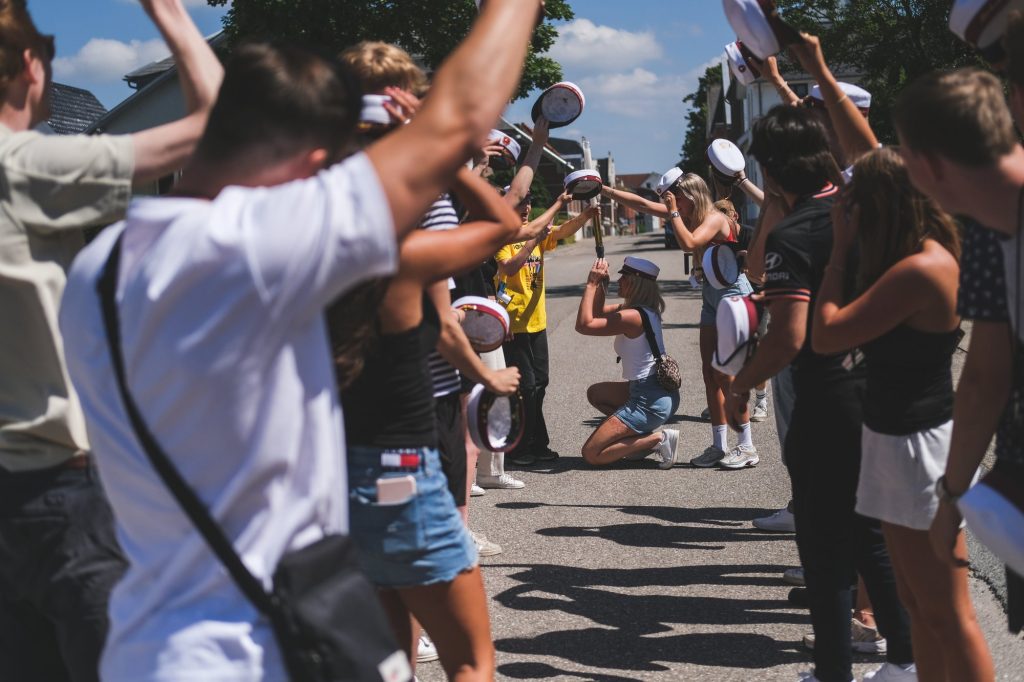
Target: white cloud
639, 94
584, 45
102, 60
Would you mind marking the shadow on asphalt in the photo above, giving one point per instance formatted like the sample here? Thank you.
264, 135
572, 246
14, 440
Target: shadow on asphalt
632, 638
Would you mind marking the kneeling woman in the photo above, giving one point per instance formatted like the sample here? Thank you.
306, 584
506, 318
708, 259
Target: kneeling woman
638, 405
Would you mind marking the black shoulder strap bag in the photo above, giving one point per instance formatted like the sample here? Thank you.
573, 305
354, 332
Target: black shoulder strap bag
325, 614
665, 367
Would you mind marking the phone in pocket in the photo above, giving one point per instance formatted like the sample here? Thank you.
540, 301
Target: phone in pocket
396, 490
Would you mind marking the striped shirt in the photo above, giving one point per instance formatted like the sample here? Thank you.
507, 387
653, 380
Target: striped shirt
442, 216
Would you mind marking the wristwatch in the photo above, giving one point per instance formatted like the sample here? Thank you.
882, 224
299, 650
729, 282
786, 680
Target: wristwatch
674, 214
942, 492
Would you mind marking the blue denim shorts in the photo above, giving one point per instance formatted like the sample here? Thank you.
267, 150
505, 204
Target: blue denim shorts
712, 297
649, 405
420, 542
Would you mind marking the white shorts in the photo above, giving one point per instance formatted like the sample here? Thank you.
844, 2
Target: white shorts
898, 474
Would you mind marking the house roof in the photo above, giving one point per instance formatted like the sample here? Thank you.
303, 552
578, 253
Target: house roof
72, 109
144, 75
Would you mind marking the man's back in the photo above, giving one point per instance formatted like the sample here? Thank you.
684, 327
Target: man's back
52, 187
227, 357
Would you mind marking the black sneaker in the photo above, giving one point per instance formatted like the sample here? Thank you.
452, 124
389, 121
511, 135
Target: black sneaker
798, 597
523, 460
546, 455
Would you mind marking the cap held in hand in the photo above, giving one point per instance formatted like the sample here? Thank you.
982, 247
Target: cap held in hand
561, 104
759, 27
486, 323
583, 184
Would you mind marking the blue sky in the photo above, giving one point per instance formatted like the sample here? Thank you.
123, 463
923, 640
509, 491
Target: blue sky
634, 60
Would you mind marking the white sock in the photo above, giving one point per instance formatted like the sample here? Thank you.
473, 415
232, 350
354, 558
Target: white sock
745, 435
760, 395
718, 434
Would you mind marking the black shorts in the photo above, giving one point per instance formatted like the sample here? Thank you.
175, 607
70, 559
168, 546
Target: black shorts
451, 444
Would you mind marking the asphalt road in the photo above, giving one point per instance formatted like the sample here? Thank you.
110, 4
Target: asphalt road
633, 572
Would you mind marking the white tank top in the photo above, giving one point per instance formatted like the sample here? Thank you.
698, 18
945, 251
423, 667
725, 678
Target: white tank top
637, 360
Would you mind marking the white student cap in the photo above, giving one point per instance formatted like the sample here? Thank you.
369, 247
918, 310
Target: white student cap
744, 69
561, 104
640, 267
670, 178
982, 23
758, 26
511, 146
860, 97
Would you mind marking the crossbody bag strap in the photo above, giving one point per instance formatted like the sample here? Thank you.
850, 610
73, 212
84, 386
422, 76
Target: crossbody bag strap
186, 497
652, 341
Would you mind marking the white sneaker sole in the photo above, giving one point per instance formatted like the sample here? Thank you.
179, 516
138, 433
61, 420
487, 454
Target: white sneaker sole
741, 464
501, 486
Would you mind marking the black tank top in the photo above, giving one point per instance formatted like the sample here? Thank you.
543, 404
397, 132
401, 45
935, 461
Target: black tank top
391, 404
910, 380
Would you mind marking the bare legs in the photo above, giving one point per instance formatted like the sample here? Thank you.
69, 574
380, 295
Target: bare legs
613, 440
715, 383
455, 615
948, 643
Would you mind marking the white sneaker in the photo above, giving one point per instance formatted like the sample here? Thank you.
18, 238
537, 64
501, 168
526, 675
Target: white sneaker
890, 672
476, 491
667, 448
425, 649
503, 482
863, 640
485, 547
794, 576
709, 458
759, 413
780, 522
740, 457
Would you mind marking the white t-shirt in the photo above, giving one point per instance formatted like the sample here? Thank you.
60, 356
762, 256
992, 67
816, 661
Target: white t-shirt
226, 354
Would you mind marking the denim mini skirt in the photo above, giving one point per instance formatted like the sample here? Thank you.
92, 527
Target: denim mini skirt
649, 405
421, 541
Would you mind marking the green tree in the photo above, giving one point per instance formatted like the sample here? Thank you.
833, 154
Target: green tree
427, 29
695, 142
889, 42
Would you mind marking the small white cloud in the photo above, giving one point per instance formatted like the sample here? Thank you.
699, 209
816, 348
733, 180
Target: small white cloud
639, 94
102, 60
584, 45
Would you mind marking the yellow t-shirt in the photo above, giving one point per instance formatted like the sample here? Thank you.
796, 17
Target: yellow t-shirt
526, 287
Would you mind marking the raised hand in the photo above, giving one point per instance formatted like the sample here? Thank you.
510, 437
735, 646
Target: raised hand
669, 200
403, 106
598, 272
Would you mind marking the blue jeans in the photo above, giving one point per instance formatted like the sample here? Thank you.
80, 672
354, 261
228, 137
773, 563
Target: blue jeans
59, 559
712, 297
419, 542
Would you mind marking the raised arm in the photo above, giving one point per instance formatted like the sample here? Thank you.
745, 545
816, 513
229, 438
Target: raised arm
572, 224
774, 77
541, 222
594, 318
701, 235
481, 200
418, 162
772, 212
635, 202
852, 127
165, 149
428, 255
511, 266
523, 180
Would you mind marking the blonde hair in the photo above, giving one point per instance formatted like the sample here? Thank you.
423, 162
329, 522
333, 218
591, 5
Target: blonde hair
379, 65
646, 294
696, 190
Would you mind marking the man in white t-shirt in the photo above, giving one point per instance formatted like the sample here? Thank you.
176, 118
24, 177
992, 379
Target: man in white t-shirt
220, 297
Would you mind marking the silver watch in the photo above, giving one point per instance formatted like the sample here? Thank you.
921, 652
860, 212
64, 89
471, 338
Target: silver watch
673, 214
